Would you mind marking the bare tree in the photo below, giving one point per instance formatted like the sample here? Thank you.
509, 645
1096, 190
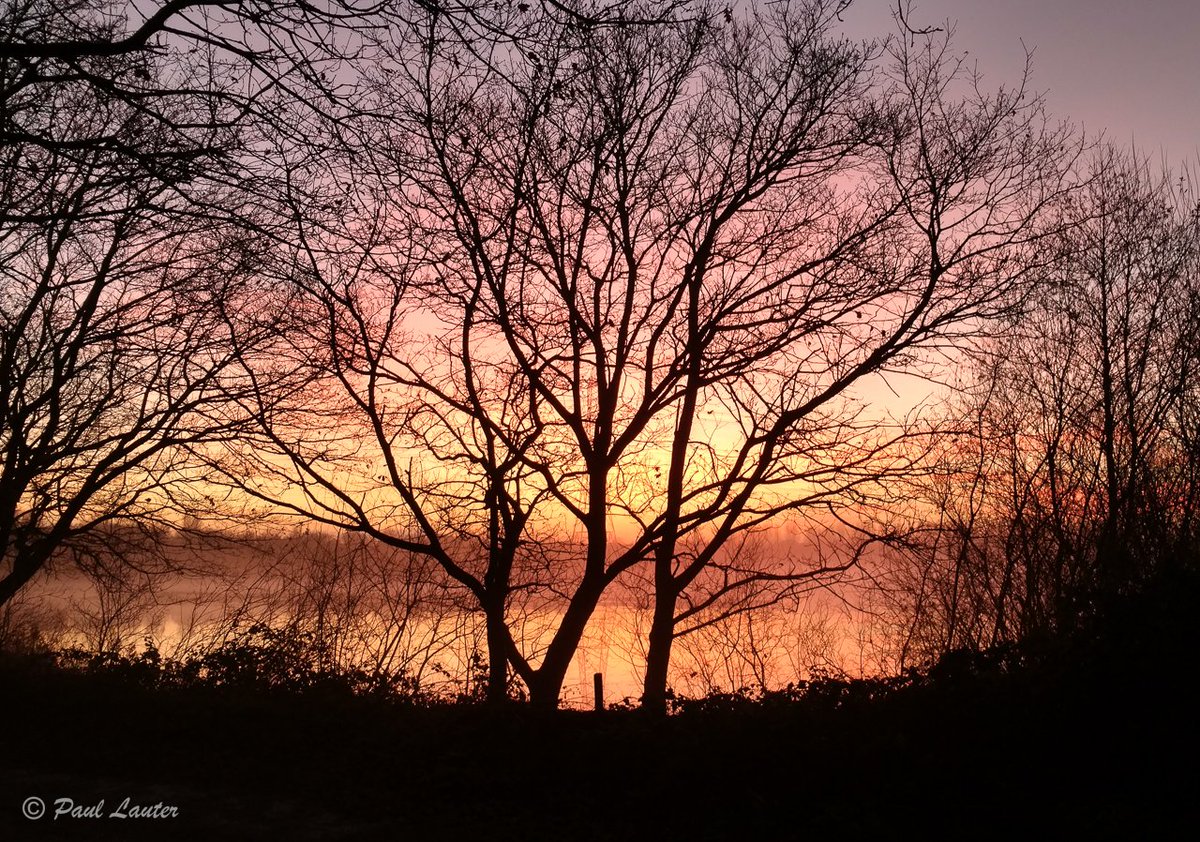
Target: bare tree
1076, 478
126, 307
623, 287
134, 223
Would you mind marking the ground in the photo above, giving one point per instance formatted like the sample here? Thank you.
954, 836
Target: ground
1088, 741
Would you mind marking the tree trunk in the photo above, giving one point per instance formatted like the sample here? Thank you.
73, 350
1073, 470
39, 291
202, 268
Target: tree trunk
497, 676
23, 570
658, 653
546, 686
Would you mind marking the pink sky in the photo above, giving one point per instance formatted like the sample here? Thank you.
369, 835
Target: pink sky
1131, 69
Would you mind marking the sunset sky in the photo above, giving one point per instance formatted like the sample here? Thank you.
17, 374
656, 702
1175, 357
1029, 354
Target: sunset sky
593, 419
1124, 71
1129, 69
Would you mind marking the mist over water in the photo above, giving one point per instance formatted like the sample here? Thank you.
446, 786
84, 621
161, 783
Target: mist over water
438, 647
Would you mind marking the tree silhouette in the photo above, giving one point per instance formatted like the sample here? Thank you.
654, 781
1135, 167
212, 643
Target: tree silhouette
622, 288
130, 290
1077, 479
972, 176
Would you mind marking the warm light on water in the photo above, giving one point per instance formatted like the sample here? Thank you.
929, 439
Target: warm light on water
771, 648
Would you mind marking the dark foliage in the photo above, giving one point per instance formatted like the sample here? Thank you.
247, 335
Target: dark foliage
258, 660
1079, 735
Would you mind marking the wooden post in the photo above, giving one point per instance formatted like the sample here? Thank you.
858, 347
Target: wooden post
598, 681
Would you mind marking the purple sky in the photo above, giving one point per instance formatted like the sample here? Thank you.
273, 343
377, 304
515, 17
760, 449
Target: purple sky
1131, 69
